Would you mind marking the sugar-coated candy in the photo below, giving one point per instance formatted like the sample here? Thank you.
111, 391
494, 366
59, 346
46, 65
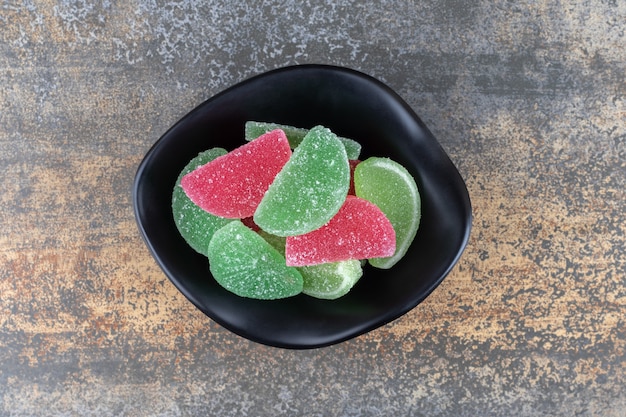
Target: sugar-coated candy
359, 230
295, 135
327, 281
277, 242
253, 130
275, 223
330, 280
194, 224
310, 188
232, 185
392, 188
242, 262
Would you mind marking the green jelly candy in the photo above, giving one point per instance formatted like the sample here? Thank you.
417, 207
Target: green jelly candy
255, 129
277, 242
310, 188
332, 280
244, 263
391, 187
194, 224
327, 281
295, 135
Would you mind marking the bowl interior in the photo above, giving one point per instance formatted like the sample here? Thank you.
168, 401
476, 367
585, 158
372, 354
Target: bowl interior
353, 105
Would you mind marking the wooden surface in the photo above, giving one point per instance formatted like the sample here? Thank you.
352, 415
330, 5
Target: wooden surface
528, 99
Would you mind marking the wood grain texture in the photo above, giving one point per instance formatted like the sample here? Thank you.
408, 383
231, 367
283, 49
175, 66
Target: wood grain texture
527, 98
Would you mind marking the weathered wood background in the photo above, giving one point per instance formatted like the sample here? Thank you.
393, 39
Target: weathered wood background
529, 100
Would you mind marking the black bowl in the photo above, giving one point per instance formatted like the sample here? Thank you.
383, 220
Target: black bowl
353, 105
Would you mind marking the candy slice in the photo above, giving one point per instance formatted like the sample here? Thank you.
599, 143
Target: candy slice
244, 263
277, 242
310, 188
195, 225
232, 185
253, 130
358, 231
330, 281
391, 187
295, 135
327, 281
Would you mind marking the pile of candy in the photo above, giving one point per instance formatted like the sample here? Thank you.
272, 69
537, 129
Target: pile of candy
295, 211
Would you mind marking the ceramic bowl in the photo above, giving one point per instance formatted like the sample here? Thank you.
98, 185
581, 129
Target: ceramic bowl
353, 105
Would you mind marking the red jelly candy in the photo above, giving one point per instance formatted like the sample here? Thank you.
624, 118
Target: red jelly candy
232, 185
358, 231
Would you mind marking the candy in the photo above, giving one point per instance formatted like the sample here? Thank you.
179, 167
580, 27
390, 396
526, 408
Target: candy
242, 262
232, 185
276, 223
195, 225
391, 187
277, 242
327, 281
310, 188
253, 130
295, 135
359, 230
330, 280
